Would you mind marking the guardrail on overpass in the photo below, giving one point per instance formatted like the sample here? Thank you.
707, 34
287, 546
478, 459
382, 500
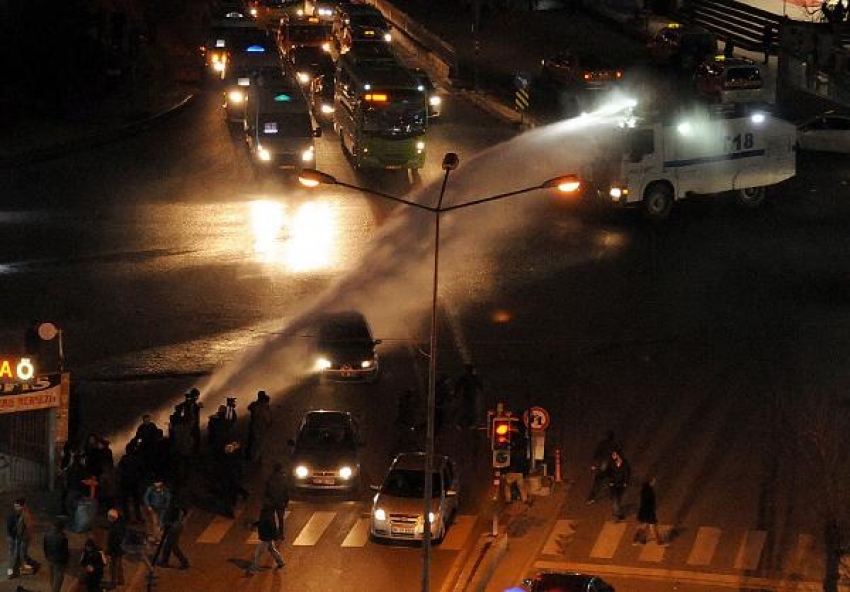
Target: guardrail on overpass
744, 24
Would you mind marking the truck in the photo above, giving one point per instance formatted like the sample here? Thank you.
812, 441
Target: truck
653, 163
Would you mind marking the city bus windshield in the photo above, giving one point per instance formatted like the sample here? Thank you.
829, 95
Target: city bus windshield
395, 114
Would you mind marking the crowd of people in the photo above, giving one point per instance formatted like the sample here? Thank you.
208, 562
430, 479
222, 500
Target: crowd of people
140, 503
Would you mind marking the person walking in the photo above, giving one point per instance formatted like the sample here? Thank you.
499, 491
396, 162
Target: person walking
469, 392
599, 466
173, 530
517, 470
114, 550
276, 493
767, 41
619, 475
93, 563
157, 501
19, 529
647, 519
55, 546
259, 424
269, 532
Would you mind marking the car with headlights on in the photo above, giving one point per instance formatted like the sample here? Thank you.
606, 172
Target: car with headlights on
397, 508
325, 452
550, 581
310, 62
580, 70
346, 349
299, 31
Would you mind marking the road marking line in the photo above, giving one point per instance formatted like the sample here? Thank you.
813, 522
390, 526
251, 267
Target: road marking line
652, 551
314, 529
214, 533
458, 533
749, 553
561, 536
608, 540
704, 546
358, 536
254, 537
682, 576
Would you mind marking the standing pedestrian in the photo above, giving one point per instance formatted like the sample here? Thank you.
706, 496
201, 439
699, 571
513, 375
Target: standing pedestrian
130, 483
114, 549
157, 501
216, 432
469, 391
276, 494
269, 532
599, 466
56, 553
259, 425
647, 519
173, 529
189, 413
767, 41
619, 475
93, 563
19, 529
230, 478
517, 470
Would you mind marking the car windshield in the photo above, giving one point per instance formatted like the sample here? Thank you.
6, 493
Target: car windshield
747, 74
325, 437
285, 125
344, 331
307, 33
402, 115
313, 58
410, 483
375, 21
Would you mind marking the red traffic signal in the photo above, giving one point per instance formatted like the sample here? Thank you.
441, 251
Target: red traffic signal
501, 433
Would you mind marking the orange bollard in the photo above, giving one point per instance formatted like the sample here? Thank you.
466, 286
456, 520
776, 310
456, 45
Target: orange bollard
557, 465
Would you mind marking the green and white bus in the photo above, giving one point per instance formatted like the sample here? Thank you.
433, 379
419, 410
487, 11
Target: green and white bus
380, 112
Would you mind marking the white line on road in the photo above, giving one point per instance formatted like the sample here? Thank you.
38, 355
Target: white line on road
749, 553
358, 536
561, 536
314, 529
704, 546
608, 540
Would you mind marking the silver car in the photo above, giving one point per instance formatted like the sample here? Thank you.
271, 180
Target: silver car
397, 510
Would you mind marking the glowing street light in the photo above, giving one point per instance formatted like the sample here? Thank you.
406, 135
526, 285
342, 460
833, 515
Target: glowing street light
313, 178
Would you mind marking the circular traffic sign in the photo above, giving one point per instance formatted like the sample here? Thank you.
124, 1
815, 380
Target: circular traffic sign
536, 418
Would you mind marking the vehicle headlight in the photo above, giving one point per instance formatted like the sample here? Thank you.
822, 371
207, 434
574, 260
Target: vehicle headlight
303, 77
435, 101
323, 364
327, 109
216, 58
263, 154
325, 12
366, 363
420, 146
308, 155
236, 96
345, 472
218, 66
380, 514
388, 37
615, 192
301, 472
431, 517
326, 47
253, 12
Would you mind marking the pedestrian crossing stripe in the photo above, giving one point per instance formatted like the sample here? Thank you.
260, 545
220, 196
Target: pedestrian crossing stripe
608, 540
359, 535
314, 529
704, 546
215, 531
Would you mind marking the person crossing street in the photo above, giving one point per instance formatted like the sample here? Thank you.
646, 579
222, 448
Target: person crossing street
619, 475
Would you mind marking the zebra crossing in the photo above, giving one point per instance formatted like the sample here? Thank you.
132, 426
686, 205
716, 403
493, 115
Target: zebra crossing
308, 527
703, 548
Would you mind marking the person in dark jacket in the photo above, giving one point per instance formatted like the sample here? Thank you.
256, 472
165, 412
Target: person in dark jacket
599, 466
259, 426
92, 563
619, 475
114, 549
173, 530
647, 519
276, 493
56, 553
268, 531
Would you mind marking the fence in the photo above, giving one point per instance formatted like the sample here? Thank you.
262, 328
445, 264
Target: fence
745, 25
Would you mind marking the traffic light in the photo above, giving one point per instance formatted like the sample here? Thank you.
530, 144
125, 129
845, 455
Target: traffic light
500, 443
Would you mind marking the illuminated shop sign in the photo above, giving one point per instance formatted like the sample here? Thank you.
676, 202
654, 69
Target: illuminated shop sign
16, 369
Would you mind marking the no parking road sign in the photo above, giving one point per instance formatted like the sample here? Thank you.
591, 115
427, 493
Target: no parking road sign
536, 418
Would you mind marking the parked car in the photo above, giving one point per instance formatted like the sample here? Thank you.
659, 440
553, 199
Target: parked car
682, 46
566, 582
729, 80
397, 509
325, 452
827, 132
581, 71
346, 348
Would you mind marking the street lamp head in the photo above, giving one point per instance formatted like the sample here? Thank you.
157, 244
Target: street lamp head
450, 161
311, 178
564, 184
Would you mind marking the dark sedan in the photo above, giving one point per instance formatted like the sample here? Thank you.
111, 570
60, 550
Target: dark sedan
346, 348
325, 452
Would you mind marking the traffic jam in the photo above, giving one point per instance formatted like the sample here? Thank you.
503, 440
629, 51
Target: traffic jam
290, 70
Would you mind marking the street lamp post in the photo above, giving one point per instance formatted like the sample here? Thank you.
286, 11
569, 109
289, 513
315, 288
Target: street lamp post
313, 178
